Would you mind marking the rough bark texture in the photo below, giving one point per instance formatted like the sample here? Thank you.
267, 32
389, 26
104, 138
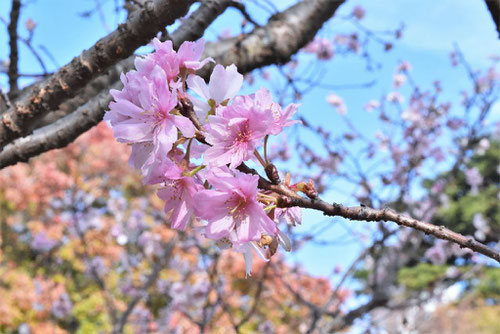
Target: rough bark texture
58, 134
14, 57
65, 83
276, 42
364, 213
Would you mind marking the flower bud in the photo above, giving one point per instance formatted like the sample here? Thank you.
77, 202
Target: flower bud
272, 174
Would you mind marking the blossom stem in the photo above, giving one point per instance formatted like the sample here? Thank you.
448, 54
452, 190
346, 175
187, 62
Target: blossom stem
265, 149
259, 157
188, 150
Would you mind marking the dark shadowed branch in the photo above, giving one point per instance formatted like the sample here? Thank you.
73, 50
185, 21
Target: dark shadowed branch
65, 83
276, 42
87, 109
58, 134
494, 8
13, 72
301, 21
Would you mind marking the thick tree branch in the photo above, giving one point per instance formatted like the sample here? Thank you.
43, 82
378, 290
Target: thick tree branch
276, 42
91, 111
243, 11
302, 21
494, 8
13, 72
193, 27
58, 134
4, 102
65, 83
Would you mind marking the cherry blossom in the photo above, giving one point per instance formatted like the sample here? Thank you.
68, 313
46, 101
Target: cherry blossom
235, 132
150, 114
154, 118
178, 192
188, 57
322, 47
224, 84
337, 102
358, 12
232, 205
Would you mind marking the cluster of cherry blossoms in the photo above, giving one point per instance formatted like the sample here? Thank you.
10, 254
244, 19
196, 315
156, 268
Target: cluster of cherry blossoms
192, 146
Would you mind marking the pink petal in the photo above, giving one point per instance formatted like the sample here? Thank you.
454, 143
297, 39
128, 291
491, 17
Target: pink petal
198, 85
185, 126
220, 228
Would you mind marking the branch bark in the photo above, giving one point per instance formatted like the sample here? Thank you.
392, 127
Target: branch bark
65, 83
494, 8
365, 213
13, 71
58, 134
276, 42
302, 21
72, 124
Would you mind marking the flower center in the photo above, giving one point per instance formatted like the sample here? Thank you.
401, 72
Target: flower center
237, 207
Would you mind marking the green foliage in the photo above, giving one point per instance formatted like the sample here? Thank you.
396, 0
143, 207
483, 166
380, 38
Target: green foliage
463, 203
489, 285
91, 315
486, 282
420, 277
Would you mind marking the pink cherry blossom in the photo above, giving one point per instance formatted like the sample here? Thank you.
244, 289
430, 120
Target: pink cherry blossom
187, 57
404, 66
224, 84
395, 97
149, 115
372, 105
178, 191
232, 206
247, 249
322, 47
263, 100
290, 216
358, 12
399, 80
337, 102
439, 253
235, 132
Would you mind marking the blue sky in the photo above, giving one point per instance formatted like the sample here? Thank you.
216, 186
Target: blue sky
431, 29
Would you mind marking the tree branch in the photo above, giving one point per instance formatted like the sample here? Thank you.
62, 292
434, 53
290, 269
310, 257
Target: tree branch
58, 134
68, 128
291, 21
13, 72
193, 27
276, 42
364, 213
340, 323
494, 8
4, 102
65, 83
